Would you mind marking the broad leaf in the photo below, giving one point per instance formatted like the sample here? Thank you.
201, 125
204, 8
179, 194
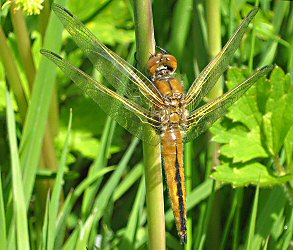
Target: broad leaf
246, 174
255, 131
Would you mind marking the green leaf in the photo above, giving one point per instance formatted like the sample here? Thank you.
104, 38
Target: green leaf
98, 164
111, 29
19, 206
280, 104
129, 235
245, 174
289, 149
128, 181
85, 129
270, 220
36, 119
84, 233
54, 203
2, 218
258, 126
106, 193
252, 220
71, 201
287, 237
45, 232
246, 111
72, 240
240, 145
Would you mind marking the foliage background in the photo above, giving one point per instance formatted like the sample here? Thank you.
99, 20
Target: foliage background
103, 188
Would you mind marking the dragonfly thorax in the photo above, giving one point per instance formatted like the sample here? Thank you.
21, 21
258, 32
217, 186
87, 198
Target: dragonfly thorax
161, 68
174, 112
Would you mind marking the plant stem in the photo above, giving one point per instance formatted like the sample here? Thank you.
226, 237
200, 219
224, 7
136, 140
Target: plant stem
188, 174
214, 47
13, 75
214, 39
181, 25
24, 43
152, 163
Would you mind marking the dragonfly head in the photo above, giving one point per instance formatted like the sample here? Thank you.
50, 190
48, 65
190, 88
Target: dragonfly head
161, 64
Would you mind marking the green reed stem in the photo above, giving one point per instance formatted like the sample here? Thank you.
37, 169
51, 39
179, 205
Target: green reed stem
181, 25
214, 39
24, 44
13, 75
188, 175
214, 47
152, 163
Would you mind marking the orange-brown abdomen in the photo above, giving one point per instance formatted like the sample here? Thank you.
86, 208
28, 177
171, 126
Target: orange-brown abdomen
172, 155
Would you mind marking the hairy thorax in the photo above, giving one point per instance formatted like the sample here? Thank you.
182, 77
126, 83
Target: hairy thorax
162, 72
174, 113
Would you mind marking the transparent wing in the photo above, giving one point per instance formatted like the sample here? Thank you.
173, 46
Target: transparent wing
118, 72
137, 120
211, 73
201, 119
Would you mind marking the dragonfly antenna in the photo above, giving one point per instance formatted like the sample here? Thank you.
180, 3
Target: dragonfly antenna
162, 50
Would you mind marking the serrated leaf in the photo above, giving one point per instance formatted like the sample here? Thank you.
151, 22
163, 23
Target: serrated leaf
263, 91
288, 145
240, 144
260, 125
246, 111
244, 146
243, 175
220, 132
280, 104
267, 131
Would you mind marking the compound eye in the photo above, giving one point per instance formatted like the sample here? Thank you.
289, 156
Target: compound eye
170, 61
160, 59
153, 63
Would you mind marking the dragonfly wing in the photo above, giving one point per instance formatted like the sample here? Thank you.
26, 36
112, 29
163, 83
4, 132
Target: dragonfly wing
211, 73
137, 120
201, 119
123, 76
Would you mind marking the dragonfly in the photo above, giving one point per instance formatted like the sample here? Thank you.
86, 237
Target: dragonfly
156, 108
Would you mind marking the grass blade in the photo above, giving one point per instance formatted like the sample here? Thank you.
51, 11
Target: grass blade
35, 124
129, 180
71, 201
129, 234
54, 203
230, 219
2, 219
106, 193
252, 220
44, 242
270, 209
20, 217
72, 240
289, 232
85, 231
98, 164
104, 197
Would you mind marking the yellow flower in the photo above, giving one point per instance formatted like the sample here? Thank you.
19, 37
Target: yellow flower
29, 7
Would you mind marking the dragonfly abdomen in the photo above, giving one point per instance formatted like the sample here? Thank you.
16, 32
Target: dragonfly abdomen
172, 157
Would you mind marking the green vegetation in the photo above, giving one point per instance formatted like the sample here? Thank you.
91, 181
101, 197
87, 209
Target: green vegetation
73, 179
